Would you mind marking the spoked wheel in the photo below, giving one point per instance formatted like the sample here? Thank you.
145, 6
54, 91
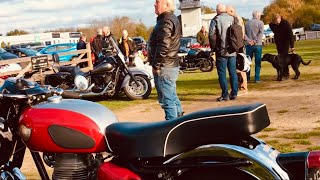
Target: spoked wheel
206, 65
141, 90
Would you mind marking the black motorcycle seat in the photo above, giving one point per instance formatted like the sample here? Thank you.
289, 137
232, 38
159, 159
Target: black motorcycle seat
73, 70
164, 138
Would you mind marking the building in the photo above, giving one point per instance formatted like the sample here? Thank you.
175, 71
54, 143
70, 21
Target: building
42, 38
191, 17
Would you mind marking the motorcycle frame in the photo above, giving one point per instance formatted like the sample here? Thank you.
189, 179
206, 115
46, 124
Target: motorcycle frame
249, 160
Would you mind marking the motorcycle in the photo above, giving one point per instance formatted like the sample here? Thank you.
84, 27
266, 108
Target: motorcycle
108, 78
195, 59
80, 139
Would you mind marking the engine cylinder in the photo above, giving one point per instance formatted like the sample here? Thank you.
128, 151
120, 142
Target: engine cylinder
70, 166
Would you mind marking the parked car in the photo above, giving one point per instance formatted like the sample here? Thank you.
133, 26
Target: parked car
140, 42
23, 52
26, 45
315, 27
37, 48
60, 48
268, 33
188, 42
6, 55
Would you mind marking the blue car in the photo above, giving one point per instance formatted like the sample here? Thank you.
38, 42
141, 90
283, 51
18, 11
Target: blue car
6, 55
60, 48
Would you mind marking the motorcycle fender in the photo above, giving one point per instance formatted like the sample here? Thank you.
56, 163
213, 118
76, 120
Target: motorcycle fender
263, 158
135, 72
110, 171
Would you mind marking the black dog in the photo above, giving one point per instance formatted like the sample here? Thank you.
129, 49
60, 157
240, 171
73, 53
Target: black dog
279, 62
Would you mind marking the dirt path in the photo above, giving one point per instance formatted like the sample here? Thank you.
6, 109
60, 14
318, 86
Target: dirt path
291, 105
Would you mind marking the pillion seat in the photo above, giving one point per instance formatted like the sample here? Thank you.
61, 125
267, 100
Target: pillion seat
73, 70
172, 137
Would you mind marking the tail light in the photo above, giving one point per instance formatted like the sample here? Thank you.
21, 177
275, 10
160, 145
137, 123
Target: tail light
313, 160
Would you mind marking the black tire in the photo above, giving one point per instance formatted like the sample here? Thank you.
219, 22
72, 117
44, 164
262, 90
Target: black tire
215, 174
206, 65
135, 92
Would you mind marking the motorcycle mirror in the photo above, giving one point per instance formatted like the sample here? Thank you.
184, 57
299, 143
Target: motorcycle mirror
81, 83
55, 58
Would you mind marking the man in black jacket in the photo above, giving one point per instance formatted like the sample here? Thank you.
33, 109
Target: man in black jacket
163, 47
97, 45
283, 37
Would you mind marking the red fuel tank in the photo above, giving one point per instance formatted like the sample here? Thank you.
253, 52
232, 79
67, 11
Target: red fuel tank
66, 126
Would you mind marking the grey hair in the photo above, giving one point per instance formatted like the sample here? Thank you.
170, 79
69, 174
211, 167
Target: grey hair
171, 5
99, 31
221, 8
256, 14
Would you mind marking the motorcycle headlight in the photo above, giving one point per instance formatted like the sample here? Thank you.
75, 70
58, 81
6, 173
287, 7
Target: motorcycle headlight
25, 132
81, 83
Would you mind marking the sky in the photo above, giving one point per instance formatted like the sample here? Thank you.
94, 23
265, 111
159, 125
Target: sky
42, 15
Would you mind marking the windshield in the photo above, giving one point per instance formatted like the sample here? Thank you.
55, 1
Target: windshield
30, 52
184, 42
2, 50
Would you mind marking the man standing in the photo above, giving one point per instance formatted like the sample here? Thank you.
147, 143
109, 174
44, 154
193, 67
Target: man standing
283, 37
96, 45
127, 46
254, 32
82, 45
163, 47
225, 59
107, 35
202, 37
82, 42
243, 87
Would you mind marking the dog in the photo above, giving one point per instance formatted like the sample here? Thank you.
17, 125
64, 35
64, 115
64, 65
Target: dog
279, 62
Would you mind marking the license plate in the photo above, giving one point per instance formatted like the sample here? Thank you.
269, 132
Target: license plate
313, 174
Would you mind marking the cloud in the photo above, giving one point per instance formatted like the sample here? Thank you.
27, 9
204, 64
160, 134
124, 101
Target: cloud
39, 15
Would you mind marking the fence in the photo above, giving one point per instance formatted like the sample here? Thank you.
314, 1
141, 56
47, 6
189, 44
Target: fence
28, 66
308, 35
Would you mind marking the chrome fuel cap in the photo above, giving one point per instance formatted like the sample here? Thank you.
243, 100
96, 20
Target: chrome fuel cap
55, 99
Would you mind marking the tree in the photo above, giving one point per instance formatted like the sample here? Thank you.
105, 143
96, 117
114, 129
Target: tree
207, 10
16, 32
300, 13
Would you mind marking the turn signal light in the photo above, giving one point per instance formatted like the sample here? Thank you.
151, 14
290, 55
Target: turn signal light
314, 159
25, 133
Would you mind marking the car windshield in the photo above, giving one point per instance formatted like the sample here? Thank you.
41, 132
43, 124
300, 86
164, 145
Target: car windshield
29, 52
184, 42
2, 51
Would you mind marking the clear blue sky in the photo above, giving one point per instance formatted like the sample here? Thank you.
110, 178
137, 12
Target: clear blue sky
41, 15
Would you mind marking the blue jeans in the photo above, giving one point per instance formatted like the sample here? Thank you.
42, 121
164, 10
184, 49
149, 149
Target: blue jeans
223, 63
255, 50
166, 86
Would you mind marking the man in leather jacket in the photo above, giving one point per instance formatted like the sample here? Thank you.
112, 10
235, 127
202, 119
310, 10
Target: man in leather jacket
163, 47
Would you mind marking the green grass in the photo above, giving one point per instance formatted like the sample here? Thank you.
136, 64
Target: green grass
195, 84
263, 136
314, 148
302, 142
295, 136
270, 129
282, 111
284, 148
272, 142
314, 133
